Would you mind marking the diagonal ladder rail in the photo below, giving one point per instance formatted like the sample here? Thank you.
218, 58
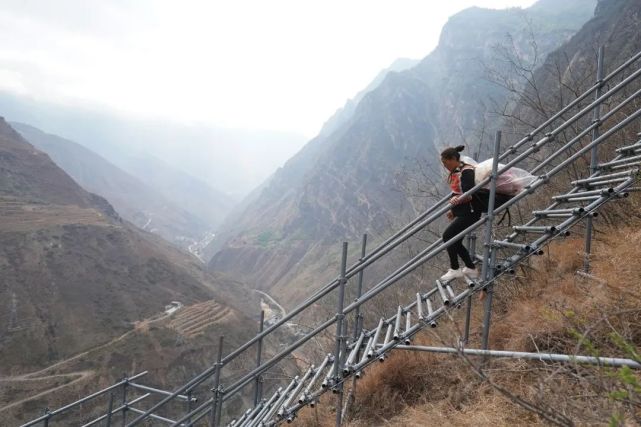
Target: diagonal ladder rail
456, 299
574, 213
439, 208
561, 228
426, 218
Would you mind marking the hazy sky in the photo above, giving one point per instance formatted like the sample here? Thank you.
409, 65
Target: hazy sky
264, 64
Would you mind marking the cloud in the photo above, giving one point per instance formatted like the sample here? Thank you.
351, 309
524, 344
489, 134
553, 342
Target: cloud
282, 64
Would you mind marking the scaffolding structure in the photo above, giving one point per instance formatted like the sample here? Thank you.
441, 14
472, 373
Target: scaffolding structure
353, 350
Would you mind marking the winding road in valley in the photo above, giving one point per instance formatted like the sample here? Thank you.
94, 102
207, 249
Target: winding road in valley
39, 375
274, 302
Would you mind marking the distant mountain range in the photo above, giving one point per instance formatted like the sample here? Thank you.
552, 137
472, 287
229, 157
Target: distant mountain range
177, 207
231, 161
347, 180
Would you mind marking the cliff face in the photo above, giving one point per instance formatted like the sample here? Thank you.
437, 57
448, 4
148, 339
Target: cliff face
345, 182
571, 69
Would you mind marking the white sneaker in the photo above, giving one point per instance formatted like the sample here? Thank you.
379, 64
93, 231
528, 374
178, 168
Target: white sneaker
470, 273
451, 275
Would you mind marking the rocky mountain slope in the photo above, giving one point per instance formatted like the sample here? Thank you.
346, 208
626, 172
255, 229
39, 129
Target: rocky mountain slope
346, 182
571, 69
75, 275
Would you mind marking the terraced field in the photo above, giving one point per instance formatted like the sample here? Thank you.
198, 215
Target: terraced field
193, 320
18, 215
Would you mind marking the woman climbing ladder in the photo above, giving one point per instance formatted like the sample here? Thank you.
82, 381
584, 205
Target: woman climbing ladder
464, 212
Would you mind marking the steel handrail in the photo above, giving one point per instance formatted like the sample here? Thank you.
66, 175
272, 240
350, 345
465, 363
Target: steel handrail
58, 411
419, 260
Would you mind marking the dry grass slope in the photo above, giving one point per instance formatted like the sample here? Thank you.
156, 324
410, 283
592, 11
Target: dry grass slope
547, 308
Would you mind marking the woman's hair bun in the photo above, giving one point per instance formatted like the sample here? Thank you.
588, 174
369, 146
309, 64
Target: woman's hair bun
460, 148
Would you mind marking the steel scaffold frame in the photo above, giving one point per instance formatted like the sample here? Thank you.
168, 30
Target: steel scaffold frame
429, 306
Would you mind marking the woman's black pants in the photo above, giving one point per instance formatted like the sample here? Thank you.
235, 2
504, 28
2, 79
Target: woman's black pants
457, 249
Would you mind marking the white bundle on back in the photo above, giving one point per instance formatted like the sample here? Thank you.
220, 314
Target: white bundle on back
510, 182
470, 161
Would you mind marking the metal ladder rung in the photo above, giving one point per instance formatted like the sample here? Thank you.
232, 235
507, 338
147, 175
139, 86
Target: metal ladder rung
441, 292
506, 267
290, 396
470, 282
419, 306
296, 391
531, 249
630, 148
372, 349
559, 213
430, 313
450, 291
352, 355
408, 325
536, 229
329, 379
397, 323
266, 408
506, 244
241, 419
452, 295
618, 176
624, 161
388, 337
596, 183
599, 193
304, 397
627, 165
583, 199
276, 406
368, 347
252, 414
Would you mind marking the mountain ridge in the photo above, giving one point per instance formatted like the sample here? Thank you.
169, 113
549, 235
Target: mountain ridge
138, 203
346, 183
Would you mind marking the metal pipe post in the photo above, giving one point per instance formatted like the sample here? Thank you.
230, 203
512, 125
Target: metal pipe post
358, 317
341, 389
340, 315
468, 313
219, 410
259, 378
543, 357
594, 156
189, 403
214, 404
358, 324
124, 401
488, 265
110, 408
487, 317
